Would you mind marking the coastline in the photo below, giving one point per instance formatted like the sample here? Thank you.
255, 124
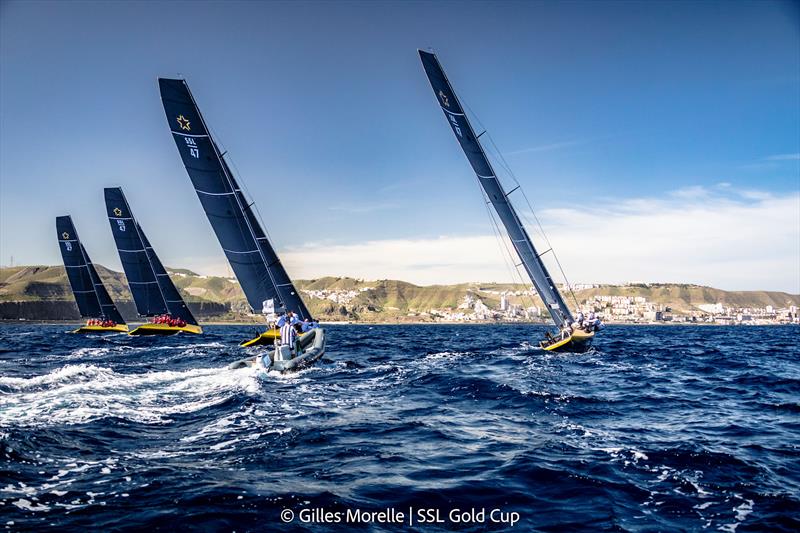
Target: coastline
443, 323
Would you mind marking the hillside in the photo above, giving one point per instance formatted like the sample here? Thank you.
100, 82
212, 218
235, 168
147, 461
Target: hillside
29, 291
684, 298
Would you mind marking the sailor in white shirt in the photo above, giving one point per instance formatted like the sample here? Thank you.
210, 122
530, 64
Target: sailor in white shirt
288, 334
578, 320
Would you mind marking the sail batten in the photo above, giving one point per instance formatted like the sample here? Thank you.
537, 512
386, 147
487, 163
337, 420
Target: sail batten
243, 240
518, 235
88, 289
152, 288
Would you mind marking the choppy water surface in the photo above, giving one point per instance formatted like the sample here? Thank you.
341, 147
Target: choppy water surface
658, 428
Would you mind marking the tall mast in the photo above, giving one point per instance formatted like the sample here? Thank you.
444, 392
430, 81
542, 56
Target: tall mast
249, 252
487, 178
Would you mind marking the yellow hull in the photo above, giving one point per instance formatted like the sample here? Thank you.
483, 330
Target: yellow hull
119, 328
579, 341
268, 337
164, 329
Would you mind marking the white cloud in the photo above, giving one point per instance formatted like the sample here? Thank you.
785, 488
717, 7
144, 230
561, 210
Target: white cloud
742, 240
783, 157
545, 147
445, 259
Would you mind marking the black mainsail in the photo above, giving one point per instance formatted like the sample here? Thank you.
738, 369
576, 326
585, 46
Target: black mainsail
90, 294
249, 252
519, 237
151, 287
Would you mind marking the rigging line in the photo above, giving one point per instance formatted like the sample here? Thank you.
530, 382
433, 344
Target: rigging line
511, 265
140, 233
242, 184
230, 179
504, 164
221, 155
85, 257
505, 252
224, 157
253, 207
492, 149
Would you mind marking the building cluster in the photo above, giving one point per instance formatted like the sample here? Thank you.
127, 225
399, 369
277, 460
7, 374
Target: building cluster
472, 308
638, 309
719, 313
339, 296
615, 309
625, 309
610, 308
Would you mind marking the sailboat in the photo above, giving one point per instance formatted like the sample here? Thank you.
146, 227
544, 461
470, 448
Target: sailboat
91, 295
568, 338
153, 291
261, 275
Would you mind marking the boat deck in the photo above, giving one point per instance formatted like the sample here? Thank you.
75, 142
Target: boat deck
118, 328
165, 329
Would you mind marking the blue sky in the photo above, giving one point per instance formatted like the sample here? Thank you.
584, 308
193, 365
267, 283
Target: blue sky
626, 113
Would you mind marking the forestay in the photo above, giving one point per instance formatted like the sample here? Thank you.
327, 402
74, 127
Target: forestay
151, 287
494, 191
90, 294
249, 252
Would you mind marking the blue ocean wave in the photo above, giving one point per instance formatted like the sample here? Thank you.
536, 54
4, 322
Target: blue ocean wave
655, 429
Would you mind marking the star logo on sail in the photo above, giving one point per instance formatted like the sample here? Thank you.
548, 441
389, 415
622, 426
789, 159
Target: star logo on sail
184, 123
118, 211
65, 235
444, 98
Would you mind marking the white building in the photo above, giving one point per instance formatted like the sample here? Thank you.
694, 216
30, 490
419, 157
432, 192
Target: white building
716, 309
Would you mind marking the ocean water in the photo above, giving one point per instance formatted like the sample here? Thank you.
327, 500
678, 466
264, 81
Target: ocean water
655, 429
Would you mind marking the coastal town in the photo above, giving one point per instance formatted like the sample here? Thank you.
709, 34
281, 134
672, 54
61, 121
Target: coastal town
519, 306
42, 293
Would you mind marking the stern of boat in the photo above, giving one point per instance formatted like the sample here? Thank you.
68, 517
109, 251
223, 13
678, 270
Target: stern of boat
310, 347
578, 342
268, 337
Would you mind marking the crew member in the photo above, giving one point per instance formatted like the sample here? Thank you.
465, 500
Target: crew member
578, 320
288, 317
593, 322
288, 333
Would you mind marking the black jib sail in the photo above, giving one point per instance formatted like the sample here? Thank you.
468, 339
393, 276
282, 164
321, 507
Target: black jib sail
494, 190
90, 293
151, 286
249, 252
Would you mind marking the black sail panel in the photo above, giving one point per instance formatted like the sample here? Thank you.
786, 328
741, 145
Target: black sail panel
519, 237
133, 256
90, 293
241, 236
106, 303
175, 304
77, 270
281, 284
